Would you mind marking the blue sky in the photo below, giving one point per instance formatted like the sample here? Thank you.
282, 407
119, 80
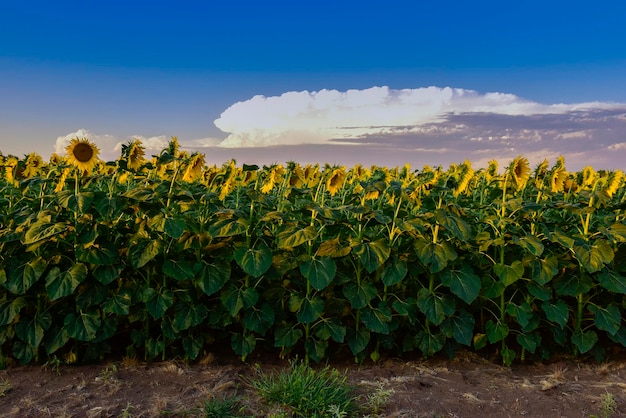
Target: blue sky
342, 82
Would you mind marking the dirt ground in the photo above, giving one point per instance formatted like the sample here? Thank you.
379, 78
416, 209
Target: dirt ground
468, 386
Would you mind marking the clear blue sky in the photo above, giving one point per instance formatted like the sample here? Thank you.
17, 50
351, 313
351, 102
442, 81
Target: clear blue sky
161, 68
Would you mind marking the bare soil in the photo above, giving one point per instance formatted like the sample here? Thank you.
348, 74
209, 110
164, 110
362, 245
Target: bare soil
468, 386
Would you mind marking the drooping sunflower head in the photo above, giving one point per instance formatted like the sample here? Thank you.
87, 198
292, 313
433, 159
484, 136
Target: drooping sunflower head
613, 183
134, 154
272, 178
519, 170
32, 165
194, 168
83, 154
557, 180
465, 174
589, 176
56, 159
336, 180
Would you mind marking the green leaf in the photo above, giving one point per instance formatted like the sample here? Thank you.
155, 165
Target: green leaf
291, 236
333, 248
496, 331
529, 341
157, 301
228, 228
22, 278
103, 253
359, 296
31, 330
435, 255
394, 272
23, 352
543, 270
144, 251
178, 269
530, 243
556, 312
9, 309
584, 341
455, 225
315, 349
118, 303
55, 339
539, 292
254, 261
213, 276
612, 281
259, 320
188, 314
594, 257
82, 326
607, 319
508, 356
174, 227
106, 274
63, 284
463, 283
154, 347
523, 313
509, 274
235, 299
373, 254
618, 231
573, 284
435, 307
319, 271
286, 336
358, 339
562, 239
377, 319
428, 343
460, 326
192, 347
43, 229
309, 309
330, 328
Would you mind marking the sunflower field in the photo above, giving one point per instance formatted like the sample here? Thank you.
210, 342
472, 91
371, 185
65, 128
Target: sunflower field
166, 257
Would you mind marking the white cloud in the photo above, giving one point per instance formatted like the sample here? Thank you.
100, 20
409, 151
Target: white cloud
321, 116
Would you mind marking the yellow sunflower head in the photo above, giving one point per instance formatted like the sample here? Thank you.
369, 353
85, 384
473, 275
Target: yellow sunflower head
32, 165
589, 176
519, 170
465, 172
83, 154
557, 180
336, 180
194, 168
613, 183
134, 153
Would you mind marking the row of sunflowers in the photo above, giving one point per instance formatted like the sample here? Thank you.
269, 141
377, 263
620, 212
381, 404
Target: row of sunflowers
167, 257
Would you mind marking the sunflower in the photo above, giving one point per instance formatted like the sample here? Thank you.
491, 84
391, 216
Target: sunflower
134, 153
10, 164
194, 168
557, 180
589, 176
83, 154
519, 171
335, 181
614, 183
32, 165
466, 172
272, 178
61, 184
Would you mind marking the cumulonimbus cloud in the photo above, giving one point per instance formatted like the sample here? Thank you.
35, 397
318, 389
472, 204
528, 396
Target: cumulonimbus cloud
330, 115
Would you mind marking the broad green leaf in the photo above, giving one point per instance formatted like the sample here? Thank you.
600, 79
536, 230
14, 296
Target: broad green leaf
82, 326
142, 194
358, 339
76, 203
435, 255
236, 299
612, 281
315, 349
178, 269
253, 261
523, 313
607, 319
259, 320
144, 251
455, 225
109, 208
228, 228
529, 341
9, 309
496, 331
584, 341
407, 309
308, 309
154, 347
618, 231
103, 253
463, 283
530, 243
539, 292
359, 296
509, 274
188, 314
319, 271
287, 336
292, 236
573, 284
91, 293
543, 270
31, 330
556, 312
377, 319
107, 274
430, 344
460, 327
157, 301
435, 307
394, 272
330, 328
373, 254
192, 347
620, 336
174, 227
564, 240
594, 257
23, 352
213, 276
60, 284
21, 279
508, 356
118, 303
55, 339
333, 248
42, 229
492, 288
480, 341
